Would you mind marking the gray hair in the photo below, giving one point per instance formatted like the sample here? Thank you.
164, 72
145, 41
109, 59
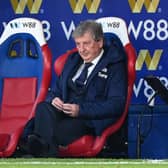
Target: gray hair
91, 26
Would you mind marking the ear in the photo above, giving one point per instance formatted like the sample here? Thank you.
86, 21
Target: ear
101, 41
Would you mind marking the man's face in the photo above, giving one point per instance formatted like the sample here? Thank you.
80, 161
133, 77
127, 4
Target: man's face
87, 47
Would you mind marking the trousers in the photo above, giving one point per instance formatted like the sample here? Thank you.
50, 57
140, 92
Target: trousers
55, 127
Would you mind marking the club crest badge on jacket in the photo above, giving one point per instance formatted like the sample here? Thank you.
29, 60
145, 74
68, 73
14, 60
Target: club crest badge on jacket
103, 73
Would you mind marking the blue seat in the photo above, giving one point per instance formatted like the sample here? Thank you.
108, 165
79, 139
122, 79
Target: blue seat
25, 75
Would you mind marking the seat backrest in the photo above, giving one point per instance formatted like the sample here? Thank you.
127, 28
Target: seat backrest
115, 29
25, 54
25, 75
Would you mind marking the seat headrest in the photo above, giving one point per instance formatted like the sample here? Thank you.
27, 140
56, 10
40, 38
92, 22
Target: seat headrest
115, 26
111, 38
24, 25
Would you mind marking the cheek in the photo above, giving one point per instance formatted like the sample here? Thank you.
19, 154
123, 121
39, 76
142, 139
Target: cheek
95, 50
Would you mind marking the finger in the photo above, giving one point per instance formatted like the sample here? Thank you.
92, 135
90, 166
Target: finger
58, 100
67, 112
67, 105
59, 107
53, 103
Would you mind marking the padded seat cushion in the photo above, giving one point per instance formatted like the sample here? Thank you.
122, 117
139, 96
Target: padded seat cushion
18, 97
8, 125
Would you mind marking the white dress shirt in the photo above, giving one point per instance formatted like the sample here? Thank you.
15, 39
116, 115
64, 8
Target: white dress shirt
90, 69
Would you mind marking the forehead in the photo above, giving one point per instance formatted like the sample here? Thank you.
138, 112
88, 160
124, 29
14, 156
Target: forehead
87, 36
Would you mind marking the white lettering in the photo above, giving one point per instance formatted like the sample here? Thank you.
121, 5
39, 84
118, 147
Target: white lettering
68, 31
29, 24
149, 33
162, 27
150, 29
134, 30
46, 29
137, 89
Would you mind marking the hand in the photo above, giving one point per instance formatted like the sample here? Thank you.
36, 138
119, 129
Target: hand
58, 103
71, 109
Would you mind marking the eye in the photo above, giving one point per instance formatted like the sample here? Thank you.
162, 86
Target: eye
87, 43
77, 44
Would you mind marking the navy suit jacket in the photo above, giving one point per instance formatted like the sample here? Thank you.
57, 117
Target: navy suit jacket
106, 88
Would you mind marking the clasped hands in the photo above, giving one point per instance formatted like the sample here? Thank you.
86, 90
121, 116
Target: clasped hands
68, 108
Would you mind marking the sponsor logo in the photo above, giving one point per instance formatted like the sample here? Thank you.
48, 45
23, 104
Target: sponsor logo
141, 87
150, 5
20, 5
16, 25
150, 29
46, 26
78, 5
150, 61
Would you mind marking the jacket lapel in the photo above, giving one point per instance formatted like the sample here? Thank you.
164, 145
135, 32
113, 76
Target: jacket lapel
73, 63
101, 64
110, 56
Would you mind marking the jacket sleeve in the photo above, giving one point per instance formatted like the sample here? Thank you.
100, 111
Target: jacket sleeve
54, 92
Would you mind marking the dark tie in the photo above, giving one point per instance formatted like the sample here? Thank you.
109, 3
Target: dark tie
83, 76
